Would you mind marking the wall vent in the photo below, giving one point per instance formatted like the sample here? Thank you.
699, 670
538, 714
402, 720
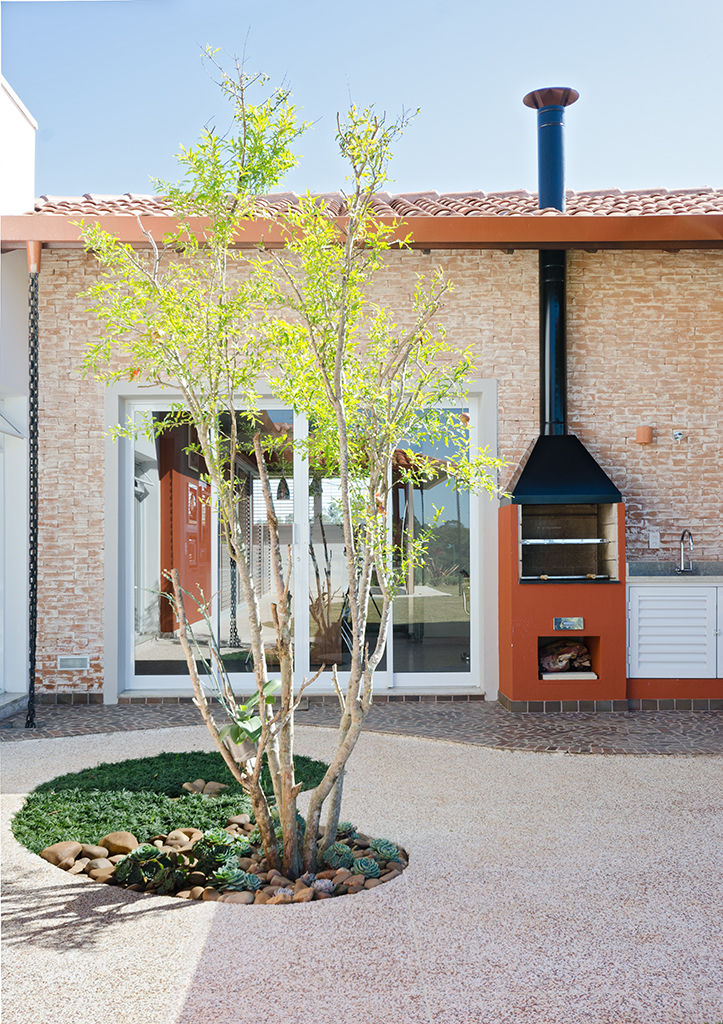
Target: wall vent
74, 661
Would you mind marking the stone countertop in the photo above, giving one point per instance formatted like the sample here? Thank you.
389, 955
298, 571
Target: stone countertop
684, 579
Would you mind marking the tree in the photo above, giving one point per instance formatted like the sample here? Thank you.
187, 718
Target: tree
203, 317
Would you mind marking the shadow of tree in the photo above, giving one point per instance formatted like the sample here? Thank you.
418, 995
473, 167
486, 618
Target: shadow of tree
73, 916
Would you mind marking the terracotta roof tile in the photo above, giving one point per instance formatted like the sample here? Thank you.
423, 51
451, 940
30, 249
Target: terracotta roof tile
600, 203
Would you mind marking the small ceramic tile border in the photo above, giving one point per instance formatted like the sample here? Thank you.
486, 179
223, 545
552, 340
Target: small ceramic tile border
68, 698
321, 700
558, 706
518, 706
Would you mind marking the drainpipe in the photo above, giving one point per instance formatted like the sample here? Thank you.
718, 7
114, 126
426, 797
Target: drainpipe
34, 250
550, 105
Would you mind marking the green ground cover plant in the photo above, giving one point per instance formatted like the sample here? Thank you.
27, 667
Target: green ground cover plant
166, 773
142, 796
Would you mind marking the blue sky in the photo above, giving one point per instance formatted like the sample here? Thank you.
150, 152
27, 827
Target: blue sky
116, 86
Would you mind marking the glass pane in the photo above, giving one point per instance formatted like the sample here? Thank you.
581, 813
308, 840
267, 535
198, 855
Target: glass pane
233, 627
172, 528
432, 614
329, 617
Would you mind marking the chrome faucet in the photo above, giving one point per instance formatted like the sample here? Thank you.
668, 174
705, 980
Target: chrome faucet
681, 567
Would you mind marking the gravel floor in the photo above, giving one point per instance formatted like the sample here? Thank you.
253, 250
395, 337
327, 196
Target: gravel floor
542, 889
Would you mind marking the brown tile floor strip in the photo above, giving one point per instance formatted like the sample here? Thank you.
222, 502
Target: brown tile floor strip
479, 723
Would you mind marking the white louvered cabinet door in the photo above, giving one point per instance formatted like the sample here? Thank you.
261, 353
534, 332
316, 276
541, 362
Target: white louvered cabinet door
672, 632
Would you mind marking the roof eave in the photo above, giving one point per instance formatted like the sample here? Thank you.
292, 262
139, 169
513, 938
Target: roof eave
657, 231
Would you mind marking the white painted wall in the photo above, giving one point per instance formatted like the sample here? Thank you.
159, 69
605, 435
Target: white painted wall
17, 195
17, 167
14, 548
14, 323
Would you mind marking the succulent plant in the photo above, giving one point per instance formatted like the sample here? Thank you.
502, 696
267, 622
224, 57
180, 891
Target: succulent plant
215, 847
384, 848
366, 866
338, 855
308, 877
231, 877
147, 865
323, 885
345, 830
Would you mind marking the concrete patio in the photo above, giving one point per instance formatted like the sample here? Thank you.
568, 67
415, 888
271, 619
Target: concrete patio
543, 888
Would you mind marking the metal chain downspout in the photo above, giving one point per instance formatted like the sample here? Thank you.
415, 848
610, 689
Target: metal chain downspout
34, 272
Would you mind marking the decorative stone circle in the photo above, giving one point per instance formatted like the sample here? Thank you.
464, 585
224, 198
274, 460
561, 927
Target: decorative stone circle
229, 870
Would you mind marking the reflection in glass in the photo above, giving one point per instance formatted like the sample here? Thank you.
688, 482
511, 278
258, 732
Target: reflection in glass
432, 614
329, 614
172, 528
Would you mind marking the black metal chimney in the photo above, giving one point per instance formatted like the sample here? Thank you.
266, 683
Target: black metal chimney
550, 106
560, 470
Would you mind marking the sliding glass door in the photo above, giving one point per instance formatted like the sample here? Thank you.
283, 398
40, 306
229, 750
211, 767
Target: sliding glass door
431, 640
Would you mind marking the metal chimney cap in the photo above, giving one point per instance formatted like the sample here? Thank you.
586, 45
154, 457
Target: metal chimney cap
552, 96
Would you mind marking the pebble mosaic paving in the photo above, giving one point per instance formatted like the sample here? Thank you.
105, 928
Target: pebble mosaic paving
475, 722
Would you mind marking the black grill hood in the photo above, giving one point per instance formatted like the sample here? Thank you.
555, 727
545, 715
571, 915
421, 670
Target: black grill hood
561, 471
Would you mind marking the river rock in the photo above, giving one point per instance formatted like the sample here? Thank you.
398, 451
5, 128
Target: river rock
214, 788
66, 865
194, 834
246, 863
93, 851
99, 864
197, 892
79, 866
117, 858
102, 874
61, 851
237, 897
261, 897
372, 883
119, 842
390, 875
209, 893
184, 894
304, 895
238, 819
280, 897
196, 878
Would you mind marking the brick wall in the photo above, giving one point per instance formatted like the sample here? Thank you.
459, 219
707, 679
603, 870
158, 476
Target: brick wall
71, 552
645, 346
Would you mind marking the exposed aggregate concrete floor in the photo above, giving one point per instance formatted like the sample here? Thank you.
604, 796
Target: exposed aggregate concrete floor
543, 888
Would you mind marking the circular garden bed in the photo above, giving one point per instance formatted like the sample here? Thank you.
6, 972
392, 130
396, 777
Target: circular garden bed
145, 826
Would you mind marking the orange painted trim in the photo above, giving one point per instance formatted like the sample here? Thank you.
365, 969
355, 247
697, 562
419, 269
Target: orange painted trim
531, 232
663, 689
526, 612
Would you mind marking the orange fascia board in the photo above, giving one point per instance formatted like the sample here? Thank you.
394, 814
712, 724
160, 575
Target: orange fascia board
663, 231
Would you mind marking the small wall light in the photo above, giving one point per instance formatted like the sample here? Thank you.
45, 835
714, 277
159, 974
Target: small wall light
678, 436
643, 435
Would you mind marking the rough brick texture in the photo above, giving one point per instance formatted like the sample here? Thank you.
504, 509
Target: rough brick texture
644, 340
71, 552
